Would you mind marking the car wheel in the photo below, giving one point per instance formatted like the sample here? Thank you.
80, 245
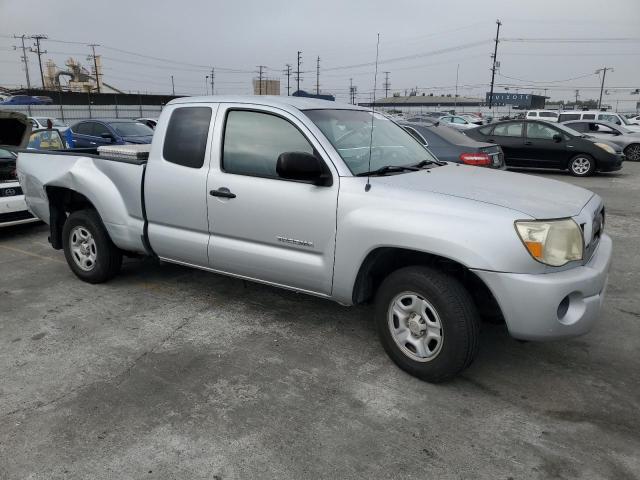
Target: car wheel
427, 323
89, 251
632, 152
582, 165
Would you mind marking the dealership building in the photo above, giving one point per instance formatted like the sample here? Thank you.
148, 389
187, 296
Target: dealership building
523, 101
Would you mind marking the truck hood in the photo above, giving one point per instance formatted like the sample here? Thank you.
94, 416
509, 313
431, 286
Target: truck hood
534, 196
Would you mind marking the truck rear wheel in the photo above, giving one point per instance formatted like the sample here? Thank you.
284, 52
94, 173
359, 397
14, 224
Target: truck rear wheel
89, 251
427, 323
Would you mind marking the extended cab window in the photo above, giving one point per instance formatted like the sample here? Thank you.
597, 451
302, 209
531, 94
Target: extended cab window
253, 141
589, 116
186, 139
564, 117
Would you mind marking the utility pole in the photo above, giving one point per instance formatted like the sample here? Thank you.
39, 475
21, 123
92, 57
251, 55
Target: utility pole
39, 52
298, 71
455, 100
288, 79
493, 66
173, 87
604, 74
95, 64
577, 95
386, 85
318, 76
24, 58
260, 71
206, 84
352, 92
213, 79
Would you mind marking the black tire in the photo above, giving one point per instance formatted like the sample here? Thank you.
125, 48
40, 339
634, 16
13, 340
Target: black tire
457, 314
632, 152
578, 163
106, 257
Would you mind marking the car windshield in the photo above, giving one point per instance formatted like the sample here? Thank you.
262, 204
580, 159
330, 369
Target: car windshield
132, 129
349, 131
624, 120
54, 121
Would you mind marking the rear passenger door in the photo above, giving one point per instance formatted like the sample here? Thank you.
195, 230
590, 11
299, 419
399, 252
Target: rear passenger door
272, 229
175, 185
509, 136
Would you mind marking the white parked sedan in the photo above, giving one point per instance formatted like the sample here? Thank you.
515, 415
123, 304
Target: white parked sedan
457, 122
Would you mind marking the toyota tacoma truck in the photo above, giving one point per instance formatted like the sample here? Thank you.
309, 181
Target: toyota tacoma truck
339, 202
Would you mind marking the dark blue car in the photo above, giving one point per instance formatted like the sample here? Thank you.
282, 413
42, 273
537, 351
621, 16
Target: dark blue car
94, 133
23, 100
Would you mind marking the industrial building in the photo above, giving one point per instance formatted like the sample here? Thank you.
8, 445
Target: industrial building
524, 101
266, 87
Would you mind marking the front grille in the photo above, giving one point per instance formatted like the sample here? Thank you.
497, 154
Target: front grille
10, 191
15, 216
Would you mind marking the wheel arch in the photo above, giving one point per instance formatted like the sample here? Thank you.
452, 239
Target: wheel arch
62, 202
382, 261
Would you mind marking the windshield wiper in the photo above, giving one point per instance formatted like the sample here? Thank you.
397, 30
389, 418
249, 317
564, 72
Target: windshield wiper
424, 163
389, 169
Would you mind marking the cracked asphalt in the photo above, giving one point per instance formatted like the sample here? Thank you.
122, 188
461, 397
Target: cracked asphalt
172, 373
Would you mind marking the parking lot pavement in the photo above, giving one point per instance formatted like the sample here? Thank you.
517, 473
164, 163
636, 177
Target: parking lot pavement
167, 372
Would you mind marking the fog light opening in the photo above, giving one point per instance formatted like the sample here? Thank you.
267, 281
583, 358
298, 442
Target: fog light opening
563, 308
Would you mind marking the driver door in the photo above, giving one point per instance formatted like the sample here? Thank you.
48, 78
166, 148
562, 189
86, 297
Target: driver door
262, 226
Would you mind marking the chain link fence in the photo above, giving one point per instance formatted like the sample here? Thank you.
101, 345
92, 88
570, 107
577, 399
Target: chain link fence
72, 113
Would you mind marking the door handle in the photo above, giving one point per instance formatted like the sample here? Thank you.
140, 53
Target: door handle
222, 192
491, 140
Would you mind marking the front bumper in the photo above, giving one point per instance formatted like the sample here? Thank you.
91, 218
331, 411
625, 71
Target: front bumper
552, 305
612, 164
13, 211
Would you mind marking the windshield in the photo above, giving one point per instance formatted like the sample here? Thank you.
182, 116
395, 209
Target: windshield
54, 121
132, 129
349, 131
624, 120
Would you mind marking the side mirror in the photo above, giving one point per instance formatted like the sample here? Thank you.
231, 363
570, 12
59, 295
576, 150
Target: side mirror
303, 167
106, 136
557, 138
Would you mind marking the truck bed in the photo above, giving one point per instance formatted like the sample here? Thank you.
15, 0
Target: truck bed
113, 185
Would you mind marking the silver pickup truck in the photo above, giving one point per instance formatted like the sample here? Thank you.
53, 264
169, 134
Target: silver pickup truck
339, 202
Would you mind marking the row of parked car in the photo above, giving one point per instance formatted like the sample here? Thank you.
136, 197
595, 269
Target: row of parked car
581, 142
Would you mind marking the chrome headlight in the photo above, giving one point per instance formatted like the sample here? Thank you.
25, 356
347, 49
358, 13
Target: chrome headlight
606, 148
552, 242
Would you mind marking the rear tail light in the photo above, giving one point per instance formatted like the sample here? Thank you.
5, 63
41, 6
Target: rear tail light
477, 159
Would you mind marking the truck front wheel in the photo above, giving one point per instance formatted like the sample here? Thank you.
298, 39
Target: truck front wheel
89, 251
427, 323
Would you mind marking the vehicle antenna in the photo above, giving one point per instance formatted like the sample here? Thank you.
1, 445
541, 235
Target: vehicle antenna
367, 187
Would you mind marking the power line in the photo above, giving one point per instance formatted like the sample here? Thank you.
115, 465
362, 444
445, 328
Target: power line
604, 74
318, 76
494, 63
298, 71
95, 64
572, 40
386, 85
288, 74
548, 81
39, 52
24, 57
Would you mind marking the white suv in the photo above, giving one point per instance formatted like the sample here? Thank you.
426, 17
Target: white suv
612, 117
548, 115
